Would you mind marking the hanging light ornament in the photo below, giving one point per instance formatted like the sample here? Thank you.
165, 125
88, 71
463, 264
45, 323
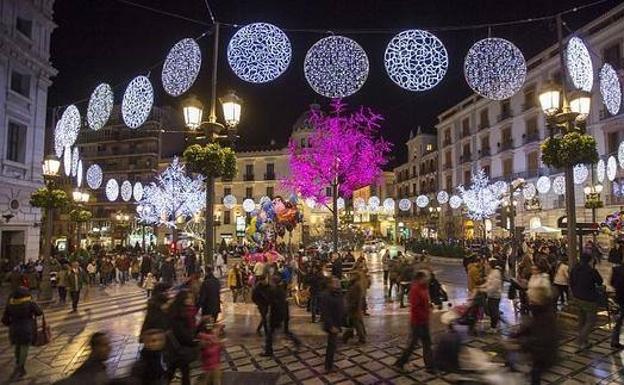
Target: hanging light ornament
229, 201
249, 205
181, 67
416, 60
455, 201
495, 68
340, 202
94, 177
112, 190
137, 102
601, 169
405, 204
611, 168
259, 53
374, 202
100, 106
79, 174
359, 204
543, 184
67, 129
579, 65
126, 190
558, 185
67, 160
580, 173
442, 197
501, 187
74, 161
388, 204
137, 191
610, 89
422, 201
336, 67
529, 191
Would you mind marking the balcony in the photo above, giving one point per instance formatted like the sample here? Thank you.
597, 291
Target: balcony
505, 114
467, 157
465, 132
269, 176
531, 137
484, 125
446, 142
507, 145
485, 152
248, 177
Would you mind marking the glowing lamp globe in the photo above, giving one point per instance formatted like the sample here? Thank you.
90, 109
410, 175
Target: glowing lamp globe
232, 107
51, 166
374, 202
422, 201
442, 197
543, 184
405, 204
249, 205
388, 204
580, 104
193, 111
229, 201
550, 98
455, 202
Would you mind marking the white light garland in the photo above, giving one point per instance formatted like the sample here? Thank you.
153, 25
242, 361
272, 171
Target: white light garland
455, 202
422, 201
67, 129
259, 52
416, 60
79, 174
137, 191
181, 67
601, 169
529, 191
543, 184
94, 176
495, 68
137, 102
336, 67
74, 161
558, 185
388, 204
620, 154
374, 202
580, 173
499, 188
67, 160
579, 64
229, 201
442, 197
611, 168
100, 106
610, 89
249, 205
405, 204
112, 190
126, 190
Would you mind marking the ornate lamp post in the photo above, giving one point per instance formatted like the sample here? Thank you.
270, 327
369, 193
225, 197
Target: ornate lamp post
80, 198
51, 167
593, 201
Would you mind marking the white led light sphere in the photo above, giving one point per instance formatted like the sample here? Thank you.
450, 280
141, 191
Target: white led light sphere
137, 102
610, 89
455, 201
126, 190
359, 204
601, 169
336, 67
68, 128
100, 106
249, 205
529, 191
67, 160
543, 184
137, 191
579, 65
259, 52
611, 168
58, 143
340, 202
112, 190
495, 68
388, 204
405, 204
558, 185
442, 197
181, 67
422, 201
229, 201
79, 174
500, 187
94, 177
580, 173
374, 202
416, 60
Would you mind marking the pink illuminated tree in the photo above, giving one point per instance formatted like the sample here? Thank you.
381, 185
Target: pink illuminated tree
344, 153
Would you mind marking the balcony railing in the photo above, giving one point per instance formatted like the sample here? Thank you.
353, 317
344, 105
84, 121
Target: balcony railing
485, 152
465, 158
505, 114
484, 125
269, 176
248, 177
531, 137
507, 145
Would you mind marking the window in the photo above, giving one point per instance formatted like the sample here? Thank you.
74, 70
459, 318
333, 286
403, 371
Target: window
269, 192
449, 182
429, 147
507, 166
611, 55
447, 159
533, 161
505, 109
484, 118
486, 170
20, 83
270, 168
414, 189
226, 217
24, 26
466, 151
465, 127
328, 191
249, 192
227, 191
16, 142
485, 143
303, 142
467, 177
529, 98
612, 142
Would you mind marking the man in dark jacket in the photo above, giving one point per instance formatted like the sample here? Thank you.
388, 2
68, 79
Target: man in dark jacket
93, 370
617, 281
277, 314
332, 314
75, 279
584, 282
146, 267
167, 271
210, 295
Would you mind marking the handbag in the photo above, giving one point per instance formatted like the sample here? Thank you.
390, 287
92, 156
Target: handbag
43, 335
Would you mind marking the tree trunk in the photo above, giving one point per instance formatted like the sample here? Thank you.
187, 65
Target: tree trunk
335, 215
571, 215
208, 245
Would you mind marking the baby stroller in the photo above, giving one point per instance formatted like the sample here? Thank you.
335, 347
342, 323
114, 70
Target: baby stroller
471, 312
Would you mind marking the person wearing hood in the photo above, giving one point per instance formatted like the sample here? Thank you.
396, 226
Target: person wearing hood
19, 315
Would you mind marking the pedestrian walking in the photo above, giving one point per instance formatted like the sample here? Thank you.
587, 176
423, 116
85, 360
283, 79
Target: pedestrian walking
181, 337
61, 283
19, 315
278, 314
493, 288
584, 283
149, 369
149, 283
355, 310
561, 281
75, 280
210, 295
332, 313
93, 370
211, 347
235, 281
385, 265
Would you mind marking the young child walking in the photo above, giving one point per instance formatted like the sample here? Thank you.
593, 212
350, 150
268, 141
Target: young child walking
149, 283
211, 345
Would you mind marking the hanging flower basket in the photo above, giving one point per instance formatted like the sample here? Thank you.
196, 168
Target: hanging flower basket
570, 149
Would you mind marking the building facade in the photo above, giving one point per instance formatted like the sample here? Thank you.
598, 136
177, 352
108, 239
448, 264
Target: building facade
25, 73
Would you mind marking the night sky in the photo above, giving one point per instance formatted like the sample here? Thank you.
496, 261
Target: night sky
110, 41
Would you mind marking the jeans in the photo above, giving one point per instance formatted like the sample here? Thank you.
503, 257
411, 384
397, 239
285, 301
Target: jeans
75, 297
123, 276
419, 333
586, 320
330, 351
493, 311
615, 336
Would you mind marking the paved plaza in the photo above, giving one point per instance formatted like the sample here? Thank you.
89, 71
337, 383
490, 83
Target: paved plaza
119, 310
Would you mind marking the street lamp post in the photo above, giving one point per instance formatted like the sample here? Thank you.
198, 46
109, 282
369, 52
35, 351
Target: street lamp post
80, 197
122, 219
51, 166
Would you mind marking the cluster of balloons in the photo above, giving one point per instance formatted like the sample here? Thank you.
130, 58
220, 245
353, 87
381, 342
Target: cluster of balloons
274, 218
614, 221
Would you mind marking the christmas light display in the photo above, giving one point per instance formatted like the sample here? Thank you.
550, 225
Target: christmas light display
229, 201
79, 174
610, 89
74, 161
499, 188
137, 102
181, 67
422, 201
112, 190
310, 202
558, 185
442, 197
455, 202
67, 129
249, 205
58, 143
580, 173
579, 64
543, 184
416, 60
340, 202
481, 199
601, 169
137, 191
359, 204
495, 68
620, 154
67, 160
374, 202
388, 204
611, 168
259, 52
94, 176
529, 191
100, 106
405, 204
336, 67
126, 190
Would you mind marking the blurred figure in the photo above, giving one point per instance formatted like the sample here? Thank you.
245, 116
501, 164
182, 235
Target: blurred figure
93, 370
493, 288
561, 281
75, 280
332, 314
617, 281
355, 309
235, 281
149, 283
539, 286
211, 346
385, 264
149, 368
210, 295
584, 282
182, 345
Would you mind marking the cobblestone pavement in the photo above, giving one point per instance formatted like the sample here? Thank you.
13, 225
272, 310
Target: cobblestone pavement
120, 311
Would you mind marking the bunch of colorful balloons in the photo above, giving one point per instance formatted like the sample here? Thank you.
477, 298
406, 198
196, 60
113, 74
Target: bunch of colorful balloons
274, 218
614, 221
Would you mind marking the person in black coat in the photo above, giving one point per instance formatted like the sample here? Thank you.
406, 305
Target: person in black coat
584, 282
167, 271
210, 295
336, 268
156, 317
332, 314
278, 314
617, 281
19, 315
146, 267
93, 370
260, 297
182, 348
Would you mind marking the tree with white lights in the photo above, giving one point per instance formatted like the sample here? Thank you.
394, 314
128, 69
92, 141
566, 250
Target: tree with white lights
481, 199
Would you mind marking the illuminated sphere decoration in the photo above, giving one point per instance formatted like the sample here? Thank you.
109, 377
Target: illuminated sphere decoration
181, 67
68, 128
264, 199
405, 204
500, 187
126, 190
340, 202
94, 177
79, 174
100, 106
601, 170
74, 161
558, 185
543, 184
416, 60
442, 197
137, 102
112, 190
137, 191
422, 201
67, 160
610, 89
359, 204
495, 68
579, 65
229, 201
529, 191
580, 173
611, 168
249, 205
388, 204
259, 53
455, 201
620, 154
374, 202
336, 67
